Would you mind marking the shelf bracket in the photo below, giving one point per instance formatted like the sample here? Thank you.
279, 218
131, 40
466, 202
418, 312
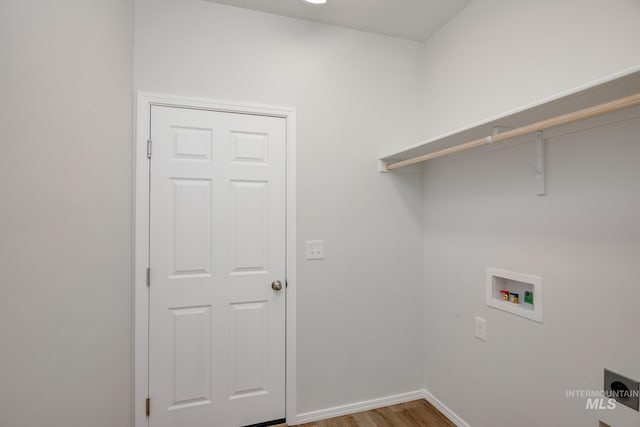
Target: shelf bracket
540, 173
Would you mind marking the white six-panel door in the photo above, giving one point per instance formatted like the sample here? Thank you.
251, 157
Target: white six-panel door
217, 242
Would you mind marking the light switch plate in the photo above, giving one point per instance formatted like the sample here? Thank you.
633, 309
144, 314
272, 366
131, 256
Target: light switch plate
314, 249
481, 328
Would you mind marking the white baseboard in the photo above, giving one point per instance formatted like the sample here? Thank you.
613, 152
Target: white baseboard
352, 408
453, 417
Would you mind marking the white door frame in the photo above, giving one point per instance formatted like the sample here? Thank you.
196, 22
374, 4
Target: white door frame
141, 238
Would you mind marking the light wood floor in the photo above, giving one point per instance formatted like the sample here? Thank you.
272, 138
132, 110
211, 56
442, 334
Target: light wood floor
418, 413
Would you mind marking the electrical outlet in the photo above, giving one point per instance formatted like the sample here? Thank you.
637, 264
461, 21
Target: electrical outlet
314, 249
481, 328
624, 390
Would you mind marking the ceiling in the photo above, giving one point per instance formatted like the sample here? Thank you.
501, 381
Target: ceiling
407, 19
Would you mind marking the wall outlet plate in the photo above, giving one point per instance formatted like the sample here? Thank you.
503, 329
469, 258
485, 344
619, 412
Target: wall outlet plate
624, 390
481, 328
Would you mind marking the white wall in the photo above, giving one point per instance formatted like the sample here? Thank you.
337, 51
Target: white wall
500, 55
480, 210
583, 238
356, 95
65, 222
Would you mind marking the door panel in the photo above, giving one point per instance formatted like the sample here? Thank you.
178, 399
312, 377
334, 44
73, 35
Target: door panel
249, 222
250, 343
192, 348
191, 226
217, 241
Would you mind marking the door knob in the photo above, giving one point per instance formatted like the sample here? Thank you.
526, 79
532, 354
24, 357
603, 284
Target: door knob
276, 285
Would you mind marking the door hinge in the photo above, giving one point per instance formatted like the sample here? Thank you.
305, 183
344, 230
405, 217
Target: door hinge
148, 406
149, 148
148, 276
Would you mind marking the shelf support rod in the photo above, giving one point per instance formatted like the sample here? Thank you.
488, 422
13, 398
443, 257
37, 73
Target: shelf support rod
540, 172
